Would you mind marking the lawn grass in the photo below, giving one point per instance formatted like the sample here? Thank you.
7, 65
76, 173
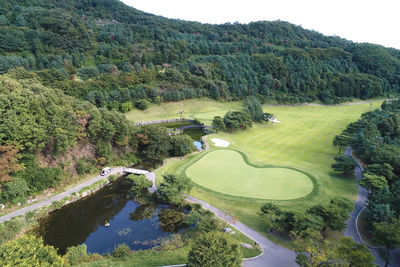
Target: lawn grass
303, 140
226, 171
204, 109
146, 258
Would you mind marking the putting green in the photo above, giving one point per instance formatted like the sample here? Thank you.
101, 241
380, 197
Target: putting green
225, 171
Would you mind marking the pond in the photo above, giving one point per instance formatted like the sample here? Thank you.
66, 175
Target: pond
195, 133
139, 226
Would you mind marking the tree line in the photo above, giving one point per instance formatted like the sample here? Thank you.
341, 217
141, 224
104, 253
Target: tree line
110, 54
375, 140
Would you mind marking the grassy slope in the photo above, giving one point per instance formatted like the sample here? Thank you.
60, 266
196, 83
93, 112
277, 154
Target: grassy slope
302, 140
226, 171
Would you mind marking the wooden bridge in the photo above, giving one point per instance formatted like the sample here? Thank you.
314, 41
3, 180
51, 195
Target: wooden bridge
149, 175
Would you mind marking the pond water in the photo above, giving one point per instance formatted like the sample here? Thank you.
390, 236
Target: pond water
139, 226
198, 145
194, 133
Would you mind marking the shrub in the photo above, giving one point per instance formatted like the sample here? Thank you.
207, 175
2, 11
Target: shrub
77, 254
9, 229
83, 166
214, 249
122, 250
15, 191
142, 104
29, 250
172, 243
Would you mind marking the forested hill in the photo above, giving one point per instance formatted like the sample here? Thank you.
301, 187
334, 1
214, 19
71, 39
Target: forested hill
113, 55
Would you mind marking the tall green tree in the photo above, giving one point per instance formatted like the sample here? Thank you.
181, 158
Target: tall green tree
173, 188
334, 214
343, 164
388, 235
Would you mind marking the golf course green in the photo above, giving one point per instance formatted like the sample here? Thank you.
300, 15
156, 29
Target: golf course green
227, 172
301, 141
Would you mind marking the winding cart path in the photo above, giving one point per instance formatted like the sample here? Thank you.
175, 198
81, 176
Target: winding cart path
360, 203
272, 254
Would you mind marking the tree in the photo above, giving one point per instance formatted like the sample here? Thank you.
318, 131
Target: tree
341, 141
218, 124
312, 249
214, 249
140, 185
154, 142
15, 191
334, 214
29, 250
142, 104
388, 235
353, 253
9, 162
235, 120
384, 169
272, 211
343, 164
373, 182
172, 188
181, 145
253, 107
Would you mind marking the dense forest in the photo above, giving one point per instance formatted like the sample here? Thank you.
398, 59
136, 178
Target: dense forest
113, 56
46, 137
375, 139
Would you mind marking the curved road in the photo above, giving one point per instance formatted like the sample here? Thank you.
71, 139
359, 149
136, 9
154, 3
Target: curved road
273, 254
359, 205
58, 197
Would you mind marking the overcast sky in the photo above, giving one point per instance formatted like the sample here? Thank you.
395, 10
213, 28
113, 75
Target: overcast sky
373, 21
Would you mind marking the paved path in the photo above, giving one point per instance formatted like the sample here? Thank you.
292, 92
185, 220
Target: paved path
58, 197
359, 205
273, 254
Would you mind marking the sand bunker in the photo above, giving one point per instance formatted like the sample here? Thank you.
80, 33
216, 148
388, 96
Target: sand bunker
220, 142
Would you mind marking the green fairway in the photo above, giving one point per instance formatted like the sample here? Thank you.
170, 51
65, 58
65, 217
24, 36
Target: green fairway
201, 109
226, 171
303, 140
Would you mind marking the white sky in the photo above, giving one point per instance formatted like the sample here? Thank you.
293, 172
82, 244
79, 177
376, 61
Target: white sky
373, 21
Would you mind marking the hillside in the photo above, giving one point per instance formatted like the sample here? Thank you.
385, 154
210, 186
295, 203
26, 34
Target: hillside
113, 55
47, 137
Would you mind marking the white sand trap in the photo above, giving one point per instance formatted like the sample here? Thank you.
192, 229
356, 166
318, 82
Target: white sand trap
220, 142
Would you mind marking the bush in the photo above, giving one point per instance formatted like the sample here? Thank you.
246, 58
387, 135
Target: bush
9, 229
83, 166
29, 250
15, 191
122, 250
214, 249
172, 243
77, 254
125, 107
142, 104
181, 145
